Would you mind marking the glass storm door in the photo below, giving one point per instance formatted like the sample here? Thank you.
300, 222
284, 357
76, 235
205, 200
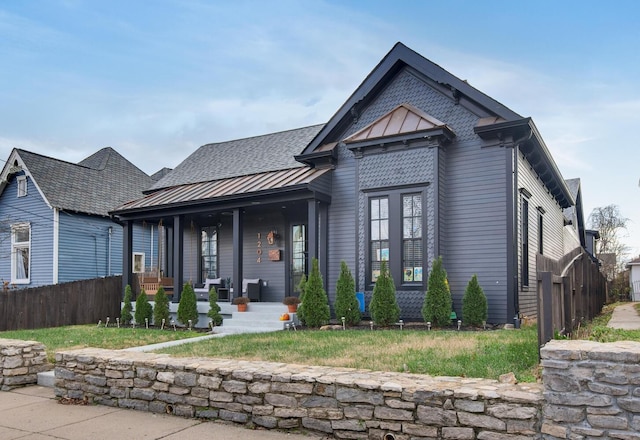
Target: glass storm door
298, 256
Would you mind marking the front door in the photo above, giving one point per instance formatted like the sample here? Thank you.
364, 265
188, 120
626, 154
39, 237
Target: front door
298, 256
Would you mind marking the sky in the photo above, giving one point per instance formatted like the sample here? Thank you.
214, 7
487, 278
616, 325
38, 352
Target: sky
157, 79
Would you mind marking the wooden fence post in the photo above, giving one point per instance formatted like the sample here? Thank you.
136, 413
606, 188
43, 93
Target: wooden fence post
545, 311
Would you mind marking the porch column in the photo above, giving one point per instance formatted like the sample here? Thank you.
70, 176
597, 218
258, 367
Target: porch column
312, 218
178, 256
127, 255
237, 251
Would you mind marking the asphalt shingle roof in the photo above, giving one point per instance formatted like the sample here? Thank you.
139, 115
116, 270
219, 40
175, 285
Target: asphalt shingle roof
241, 157
96, 185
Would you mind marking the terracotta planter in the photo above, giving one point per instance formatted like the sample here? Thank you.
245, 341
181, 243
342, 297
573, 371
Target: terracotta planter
293, 308
242, 307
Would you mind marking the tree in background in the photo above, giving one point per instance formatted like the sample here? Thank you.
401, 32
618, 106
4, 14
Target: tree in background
143, 308
125, 313
316, 304
188, 306
214, 308
161, 307
610, 224
384, 307
474, 303
437, 303
346, 304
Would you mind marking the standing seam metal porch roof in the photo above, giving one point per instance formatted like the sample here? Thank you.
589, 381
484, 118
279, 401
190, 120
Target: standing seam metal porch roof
242, 185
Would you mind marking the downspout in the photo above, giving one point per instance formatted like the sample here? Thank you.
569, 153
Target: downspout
515, 224
110, 231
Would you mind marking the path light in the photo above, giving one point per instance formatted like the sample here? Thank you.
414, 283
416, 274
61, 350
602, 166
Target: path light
118, 322
286, 326
343, 326
484, 325
459, 324
293, 324
401, 323
190, 324
146, 323
173, 323
133, 323
211, 324
99, 322
106, 324
371, 324
162, 325
428, 325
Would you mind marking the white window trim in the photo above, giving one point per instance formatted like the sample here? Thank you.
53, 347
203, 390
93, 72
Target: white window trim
22, 186
138, 256
14, 246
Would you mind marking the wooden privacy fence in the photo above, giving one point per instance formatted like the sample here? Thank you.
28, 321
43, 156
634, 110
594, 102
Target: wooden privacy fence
570, 290
77, 302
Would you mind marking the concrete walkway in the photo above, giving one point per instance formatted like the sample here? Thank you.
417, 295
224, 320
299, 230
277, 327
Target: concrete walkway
33, 413
625, 317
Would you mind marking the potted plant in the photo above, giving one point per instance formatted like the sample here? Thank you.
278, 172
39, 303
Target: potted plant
291, 302
241, 302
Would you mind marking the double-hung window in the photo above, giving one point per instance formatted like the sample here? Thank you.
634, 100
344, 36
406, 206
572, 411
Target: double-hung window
395, 235
22, 186
20, 253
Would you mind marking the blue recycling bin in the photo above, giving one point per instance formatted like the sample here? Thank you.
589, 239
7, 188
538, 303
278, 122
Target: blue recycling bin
360, 297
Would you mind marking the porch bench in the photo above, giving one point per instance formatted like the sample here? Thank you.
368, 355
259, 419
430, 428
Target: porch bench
152, 284
202, 293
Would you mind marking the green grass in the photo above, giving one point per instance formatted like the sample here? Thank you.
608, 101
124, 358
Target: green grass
443, 353
81, 336
597, 329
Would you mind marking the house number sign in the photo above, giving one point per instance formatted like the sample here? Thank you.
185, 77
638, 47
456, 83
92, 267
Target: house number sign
259, 250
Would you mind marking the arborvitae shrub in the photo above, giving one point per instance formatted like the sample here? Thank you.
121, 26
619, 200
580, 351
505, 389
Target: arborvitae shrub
384, 308
161, 308
346, 304
437, 303
474, 303
301, 287
143, 308
188, 307
316, 305
214, 308
125, 313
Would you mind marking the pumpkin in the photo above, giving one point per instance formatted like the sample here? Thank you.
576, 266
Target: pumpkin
284, 317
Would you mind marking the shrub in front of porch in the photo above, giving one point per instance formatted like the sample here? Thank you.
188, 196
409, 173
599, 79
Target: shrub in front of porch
437, 303
474, 303
125, 313
144, 310
214, 308
384, 307
161, 307
188, 307
346, 304
301, 287
315, 304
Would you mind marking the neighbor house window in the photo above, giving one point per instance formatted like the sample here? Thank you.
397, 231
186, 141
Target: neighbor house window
525, 242
540, 230
138, 262
379, 234
209, 242
20, 253
22, 186
412, 238
396, 228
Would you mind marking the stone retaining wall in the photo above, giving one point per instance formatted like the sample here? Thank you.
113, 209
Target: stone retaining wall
346, 403
591, 390
20, 363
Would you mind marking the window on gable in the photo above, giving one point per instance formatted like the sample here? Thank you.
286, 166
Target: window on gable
20, 253
395, 235
138, 262
209, 243
524, 254
22, 186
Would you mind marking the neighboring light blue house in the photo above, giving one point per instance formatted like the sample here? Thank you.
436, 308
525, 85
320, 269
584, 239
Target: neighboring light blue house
415, 164
54, 222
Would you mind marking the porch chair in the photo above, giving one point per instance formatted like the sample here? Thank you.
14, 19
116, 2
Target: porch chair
202, 293
251, 288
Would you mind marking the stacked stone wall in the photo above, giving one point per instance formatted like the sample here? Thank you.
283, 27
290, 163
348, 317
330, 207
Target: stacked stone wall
591, 390
20, 363
344, 403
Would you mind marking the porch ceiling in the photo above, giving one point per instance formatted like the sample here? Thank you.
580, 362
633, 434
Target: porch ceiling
251, 185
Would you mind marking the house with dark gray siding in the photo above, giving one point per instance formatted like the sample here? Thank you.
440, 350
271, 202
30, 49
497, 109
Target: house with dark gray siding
414, 165
54, 218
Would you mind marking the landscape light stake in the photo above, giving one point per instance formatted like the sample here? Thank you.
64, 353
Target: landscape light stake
401, 323
429, 325
173, 323
118, 322
459, 324
99, 323
133, 324
106, 324
293, 324
162, 325
286, 326
212, 325
146, 323
371, 324
343, 326
484, 325
190, 323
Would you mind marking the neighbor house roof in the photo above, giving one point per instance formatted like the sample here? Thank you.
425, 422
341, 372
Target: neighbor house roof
95, 185
241, 157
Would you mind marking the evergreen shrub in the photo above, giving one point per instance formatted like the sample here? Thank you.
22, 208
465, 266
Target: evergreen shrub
346, 304
188, 307
125, 313
315, 303
214, 308
161, 308
437, 304
143, 308
384, 308
301, 287
474, 303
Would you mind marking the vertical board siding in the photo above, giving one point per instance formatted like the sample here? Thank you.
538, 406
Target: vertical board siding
553, 231
34, 210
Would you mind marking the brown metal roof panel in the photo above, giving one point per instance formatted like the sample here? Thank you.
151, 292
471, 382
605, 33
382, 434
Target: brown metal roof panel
395, 122
411, 122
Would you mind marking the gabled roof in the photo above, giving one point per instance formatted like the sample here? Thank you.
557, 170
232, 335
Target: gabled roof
399, 57
241, 157
403, 119
575, 211
96, 185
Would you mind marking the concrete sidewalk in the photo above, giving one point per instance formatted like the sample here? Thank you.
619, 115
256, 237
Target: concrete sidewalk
625, 317
33, 413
